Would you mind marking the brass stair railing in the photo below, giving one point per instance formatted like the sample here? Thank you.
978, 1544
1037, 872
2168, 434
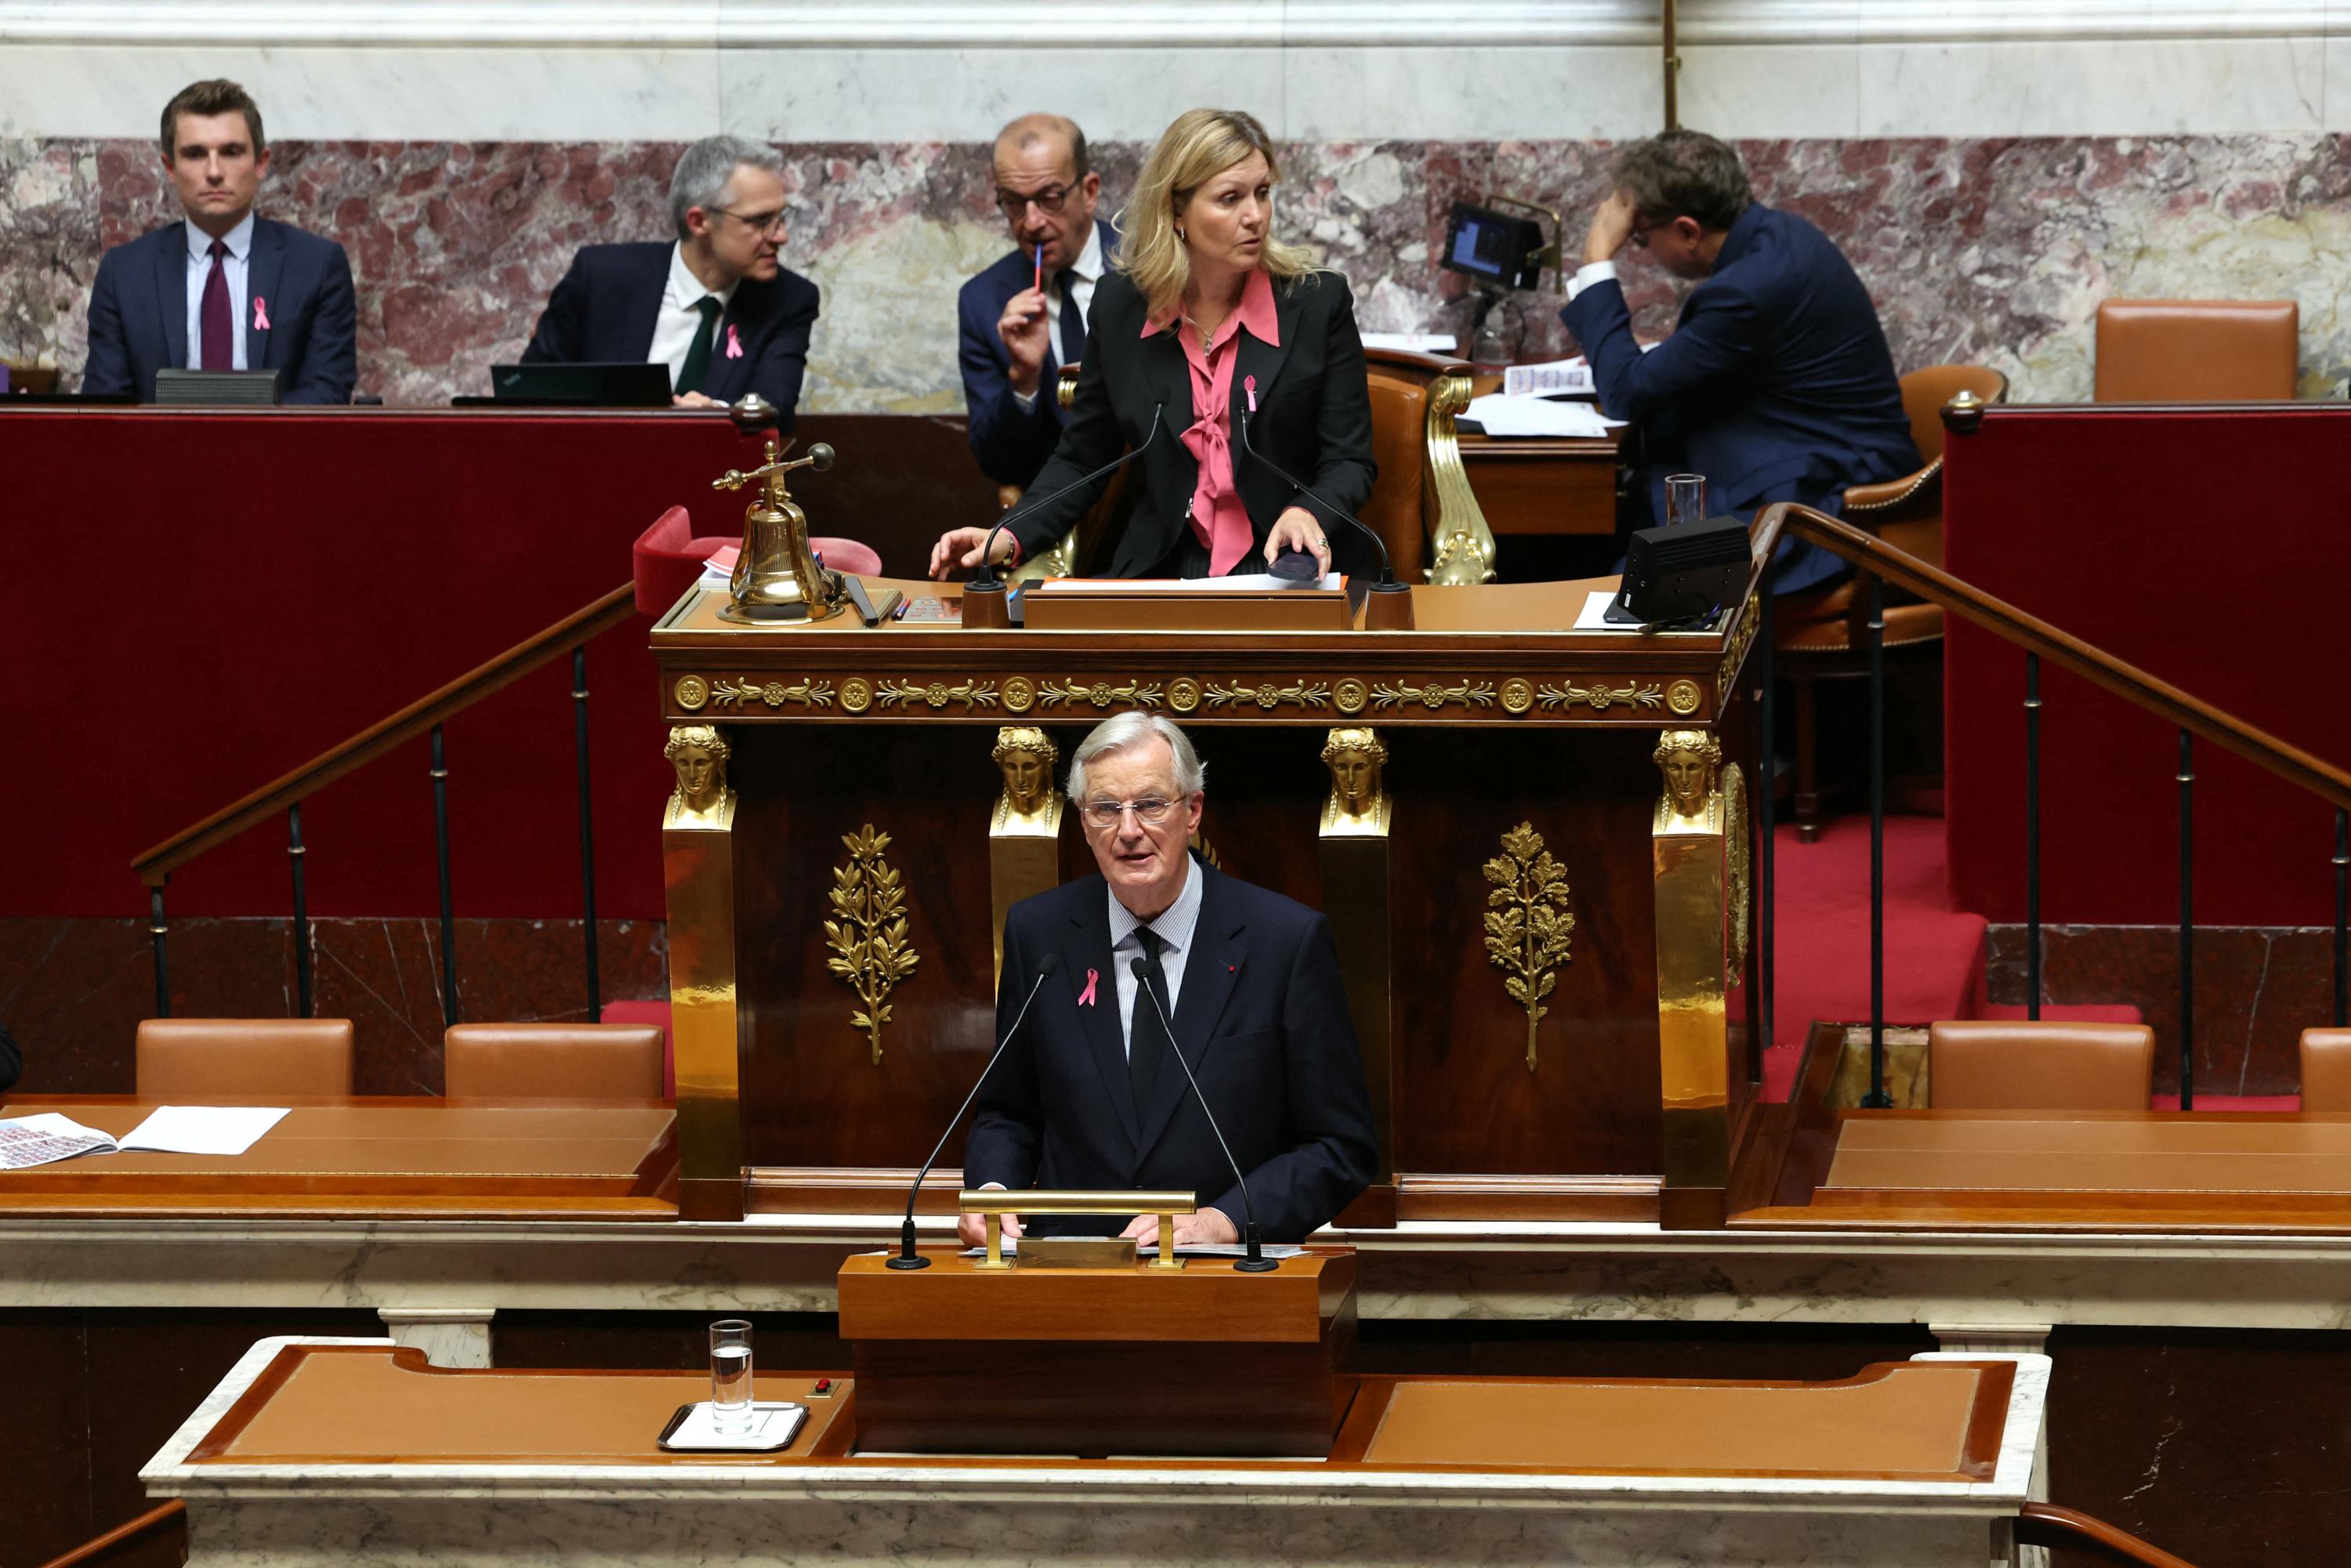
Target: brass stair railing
423, 717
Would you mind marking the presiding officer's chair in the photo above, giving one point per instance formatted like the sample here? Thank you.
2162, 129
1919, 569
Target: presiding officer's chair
1994, 1065
1420, 493
552, 1061
1822, 634
2197, 350
243, 1060
2326, 1069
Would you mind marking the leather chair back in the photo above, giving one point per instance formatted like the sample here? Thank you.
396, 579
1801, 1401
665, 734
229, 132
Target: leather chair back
243, 1060
552, 1061
1925, 391
2197, 351
1396, 509
1993, 1065
669, 556
2326, 1069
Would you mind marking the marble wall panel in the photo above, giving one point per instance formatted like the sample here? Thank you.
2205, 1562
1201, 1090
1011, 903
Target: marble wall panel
1985, 249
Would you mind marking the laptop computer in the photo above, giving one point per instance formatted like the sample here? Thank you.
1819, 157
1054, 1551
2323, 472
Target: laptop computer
579, 386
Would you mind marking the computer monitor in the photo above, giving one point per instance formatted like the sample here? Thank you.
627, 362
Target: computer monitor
581, 386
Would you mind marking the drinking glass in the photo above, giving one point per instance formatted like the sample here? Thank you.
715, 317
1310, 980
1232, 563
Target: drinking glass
1684, 499
730, 1375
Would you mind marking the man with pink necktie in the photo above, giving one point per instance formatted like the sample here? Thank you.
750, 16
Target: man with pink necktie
223, 289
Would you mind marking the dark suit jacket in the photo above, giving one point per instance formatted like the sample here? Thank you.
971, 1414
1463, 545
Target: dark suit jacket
1010, 446
1262, 1018
1313, 420
605, 309
1776, 385
139, 314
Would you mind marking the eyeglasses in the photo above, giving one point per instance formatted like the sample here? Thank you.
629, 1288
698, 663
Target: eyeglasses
1012, 204
1640, 235
766, 223
1151, 811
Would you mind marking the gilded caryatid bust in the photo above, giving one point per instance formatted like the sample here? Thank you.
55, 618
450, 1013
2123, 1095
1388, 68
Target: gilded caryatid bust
1028, 808
1357, 806
1689, 758
702, 798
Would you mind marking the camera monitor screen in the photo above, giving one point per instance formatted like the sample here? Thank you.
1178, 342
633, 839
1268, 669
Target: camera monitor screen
1500, 247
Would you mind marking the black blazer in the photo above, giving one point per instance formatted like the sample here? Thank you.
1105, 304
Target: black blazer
1262, 1018
139, 314
1313, 419
605, 309
1011, 445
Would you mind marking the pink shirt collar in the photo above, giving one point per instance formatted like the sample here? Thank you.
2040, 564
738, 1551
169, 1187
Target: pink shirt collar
1256, 313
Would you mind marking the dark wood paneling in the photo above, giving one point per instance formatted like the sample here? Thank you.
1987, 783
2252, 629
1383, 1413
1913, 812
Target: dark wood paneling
780, 1341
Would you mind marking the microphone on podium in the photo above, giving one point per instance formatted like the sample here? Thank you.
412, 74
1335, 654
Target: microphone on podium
1399, 613
986, 581
1257, 1262
907, 1256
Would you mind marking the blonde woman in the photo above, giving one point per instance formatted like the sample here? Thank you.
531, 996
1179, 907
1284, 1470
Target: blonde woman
1208, 322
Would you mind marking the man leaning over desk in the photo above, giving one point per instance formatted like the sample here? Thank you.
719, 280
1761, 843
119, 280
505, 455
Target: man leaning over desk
1086, 1096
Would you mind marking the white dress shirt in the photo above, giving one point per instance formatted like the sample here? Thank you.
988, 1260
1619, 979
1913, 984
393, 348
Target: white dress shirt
1088, 269
1174, 930
675, 328
1590, 273
234, 266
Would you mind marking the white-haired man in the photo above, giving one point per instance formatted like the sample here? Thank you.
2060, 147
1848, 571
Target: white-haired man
1086, 1096
717, 307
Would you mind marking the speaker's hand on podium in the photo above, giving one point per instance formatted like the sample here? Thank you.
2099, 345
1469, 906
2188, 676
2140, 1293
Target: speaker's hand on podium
972, 1228
1207, 1228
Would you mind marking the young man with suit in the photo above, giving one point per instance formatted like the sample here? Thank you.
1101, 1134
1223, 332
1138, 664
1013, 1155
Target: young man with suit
223, 289
1013, 334
1085, 1096
717, 307
1777, 385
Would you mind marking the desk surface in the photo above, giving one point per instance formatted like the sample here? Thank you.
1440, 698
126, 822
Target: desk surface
401, 1154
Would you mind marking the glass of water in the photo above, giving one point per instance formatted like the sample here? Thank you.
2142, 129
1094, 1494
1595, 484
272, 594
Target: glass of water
730, 1375
1684, 499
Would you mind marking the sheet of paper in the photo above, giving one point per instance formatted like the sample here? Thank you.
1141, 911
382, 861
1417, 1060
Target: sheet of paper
1189, 1249
1257, 582
1545, 379
202, 1129
719, 569
1413, 342
45, 1138
1503, 415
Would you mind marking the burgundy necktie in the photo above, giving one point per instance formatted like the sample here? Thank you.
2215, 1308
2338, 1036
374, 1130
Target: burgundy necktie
213, 322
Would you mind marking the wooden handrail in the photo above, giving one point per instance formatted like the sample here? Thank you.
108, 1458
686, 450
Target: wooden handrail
2006, 622
2046, 1524
419, 716
106, 1548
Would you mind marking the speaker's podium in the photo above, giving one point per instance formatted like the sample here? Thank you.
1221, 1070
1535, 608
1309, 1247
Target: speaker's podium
1193, 1356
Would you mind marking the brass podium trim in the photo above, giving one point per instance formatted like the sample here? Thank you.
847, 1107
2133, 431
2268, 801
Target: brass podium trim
993, 1202
1688, 840
698, 875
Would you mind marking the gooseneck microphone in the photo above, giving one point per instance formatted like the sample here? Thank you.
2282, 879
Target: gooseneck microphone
986, 578
1387, 582
907, 1256
1257, 1262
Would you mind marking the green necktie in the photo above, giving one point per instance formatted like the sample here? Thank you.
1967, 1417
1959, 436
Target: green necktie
698, 355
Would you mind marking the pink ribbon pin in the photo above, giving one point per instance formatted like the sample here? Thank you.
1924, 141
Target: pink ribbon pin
1249, 384
734, 343
260, 314
1086, 996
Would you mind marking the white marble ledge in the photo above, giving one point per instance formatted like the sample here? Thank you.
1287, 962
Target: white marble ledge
1303, 1483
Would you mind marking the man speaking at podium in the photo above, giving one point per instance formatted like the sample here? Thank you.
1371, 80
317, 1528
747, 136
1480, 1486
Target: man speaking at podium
1087, 1096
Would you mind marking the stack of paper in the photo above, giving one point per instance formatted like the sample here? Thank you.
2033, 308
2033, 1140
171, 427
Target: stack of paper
1571, 376
1503, 415
1412, 342
47, 1137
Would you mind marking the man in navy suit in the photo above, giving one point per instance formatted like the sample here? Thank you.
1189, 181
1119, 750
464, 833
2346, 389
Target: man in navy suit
1777, 385
1086, 1097
223, 289
717, 307
1015, 335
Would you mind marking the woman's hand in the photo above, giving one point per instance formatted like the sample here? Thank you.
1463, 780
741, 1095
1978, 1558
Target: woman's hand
959, 551
1297, 528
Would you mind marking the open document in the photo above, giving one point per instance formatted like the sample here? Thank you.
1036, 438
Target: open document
1503, 415
48, 1136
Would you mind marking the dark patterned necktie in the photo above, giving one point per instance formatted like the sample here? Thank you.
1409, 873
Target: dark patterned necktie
696, 368
1073, 321
213, 323
1147, 1039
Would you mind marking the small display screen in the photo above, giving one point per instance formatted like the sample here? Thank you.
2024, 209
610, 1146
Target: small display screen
1493, 246
1480, 247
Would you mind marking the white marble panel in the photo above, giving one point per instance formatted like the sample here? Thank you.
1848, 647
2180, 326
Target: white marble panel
388, 93
2336, 71
1470, 95
967, 95
2138, 88
1754, 90
449, 1336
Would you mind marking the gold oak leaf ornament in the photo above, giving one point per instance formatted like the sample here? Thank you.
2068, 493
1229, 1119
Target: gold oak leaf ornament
868, 937
1527, 922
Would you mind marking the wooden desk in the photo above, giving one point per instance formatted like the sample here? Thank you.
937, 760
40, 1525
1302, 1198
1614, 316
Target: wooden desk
1538, 486
486, 1157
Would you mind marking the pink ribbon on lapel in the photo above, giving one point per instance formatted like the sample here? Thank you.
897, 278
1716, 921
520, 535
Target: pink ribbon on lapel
1249, 384
260, 314
1086, 996
734, 343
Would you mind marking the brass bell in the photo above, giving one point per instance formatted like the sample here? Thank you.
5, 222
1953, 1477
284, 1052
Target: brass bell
777, 576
